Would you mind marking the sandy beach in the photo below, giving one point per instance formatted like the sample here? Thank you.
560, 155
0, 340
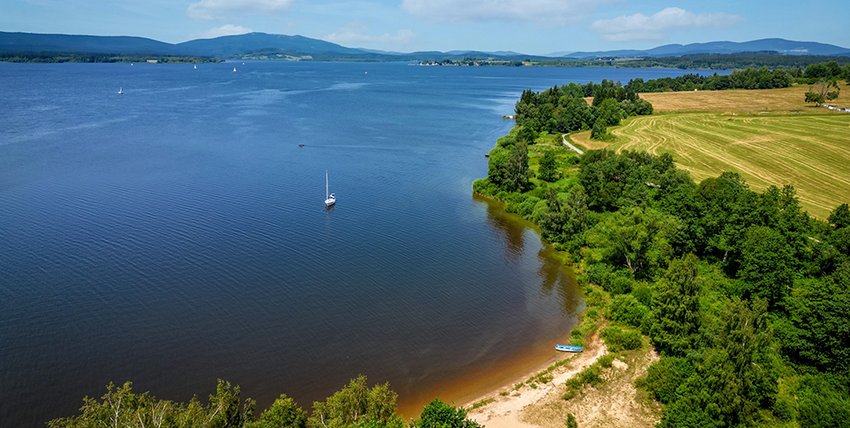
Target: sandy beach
505, 410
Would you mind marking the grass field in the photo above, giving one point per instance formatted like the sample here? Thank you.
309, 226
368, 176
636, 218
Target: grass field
770, 137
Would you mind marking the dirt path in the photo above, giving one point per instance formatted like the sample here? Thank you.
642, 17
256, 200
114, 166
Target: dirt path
505, 411
568, 144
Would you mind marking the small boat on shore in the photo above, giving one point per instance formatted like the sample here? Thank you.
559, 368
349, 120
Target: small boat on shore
568, 348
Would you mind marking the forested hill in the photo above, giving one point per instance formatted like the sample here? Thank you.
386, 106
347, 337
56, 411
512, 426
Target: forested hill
276, 46
29, 42
782, 46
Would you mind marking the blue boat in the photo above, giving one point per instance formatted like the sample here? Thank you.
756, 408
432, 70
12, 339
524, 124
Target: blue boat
568, 348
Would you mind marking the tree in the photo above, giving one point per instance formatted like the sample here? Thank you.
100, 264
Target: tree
816, 330
814, 98
635, 238
824, 90
565, 218
438, 414
526, 135
840, 216
610, 112
357, 404
508, 167
224, 409
675, 308
767, 264
548, 168
742, 374
283, 413
600, 130
516, 168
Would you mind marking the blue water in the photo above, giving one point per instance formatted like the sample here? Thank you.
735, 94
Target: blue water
176, 234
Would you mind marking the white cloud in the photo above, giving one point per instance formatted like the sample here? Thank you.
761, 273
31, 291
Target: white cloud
224, 30
359, 35
213, 9
654, 27
543, 11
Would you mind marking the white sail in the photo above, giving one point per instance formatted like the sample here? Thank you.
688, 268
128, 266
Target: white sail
330, 198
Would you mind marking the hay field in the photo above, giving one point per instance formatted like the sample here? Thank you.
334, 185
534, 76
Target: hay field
770, 137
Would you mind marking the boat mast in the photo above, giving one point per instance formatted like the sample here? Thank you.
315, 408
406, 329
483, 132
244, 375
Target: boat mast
326, 184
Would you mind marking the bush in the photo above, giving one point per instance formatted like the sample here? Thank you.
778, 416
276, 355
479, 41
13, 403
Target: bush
438, 414
664, 378
618, 339
626, 309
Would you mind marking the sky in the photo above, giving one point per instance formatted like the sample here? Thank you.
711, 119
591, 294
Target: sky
526, 26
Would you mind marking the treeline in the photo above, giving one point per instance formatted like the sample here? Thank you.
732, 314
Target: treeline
751, 78
355, 405
743, 294
705, 61
53, 57
562, 109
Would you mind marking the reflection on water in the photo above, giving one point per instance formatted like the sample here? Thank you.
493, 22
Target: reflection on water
511, 227
554, 275
554, 300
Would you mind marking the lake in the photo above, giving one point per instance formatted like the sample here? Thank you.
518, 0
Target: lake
176, 234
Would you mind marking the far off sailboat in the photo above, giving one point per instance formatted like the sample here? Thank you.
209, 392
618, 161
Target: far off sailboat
330, 198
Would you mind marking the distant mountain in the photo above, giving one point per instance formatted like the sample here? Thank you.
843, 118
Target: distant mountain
230, 46
30, 42
782, 46
262, 45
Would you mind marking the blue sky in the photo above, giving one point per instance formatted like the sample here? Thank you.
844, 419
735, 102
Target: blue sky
527, 26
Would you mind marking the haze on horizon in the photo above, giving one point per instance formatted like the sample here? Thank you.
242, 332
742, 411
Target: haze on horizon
526, 26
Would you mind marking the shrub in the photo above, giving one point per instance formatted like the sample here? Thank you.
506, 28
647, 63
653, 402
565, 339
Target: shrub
626, 309
618, 339
664, 378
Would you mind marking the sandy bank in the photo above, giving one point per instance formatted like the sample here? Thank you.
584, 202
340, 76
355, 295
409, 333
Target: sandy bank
505, 410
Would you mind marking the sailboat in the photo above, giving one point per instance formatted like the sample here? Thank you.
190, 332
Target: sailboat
330, 199
234, 69
121, 91
196, 67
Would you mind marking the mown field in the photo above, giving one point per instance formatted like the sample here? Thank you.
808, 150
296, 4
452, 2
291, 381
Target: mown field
770, 137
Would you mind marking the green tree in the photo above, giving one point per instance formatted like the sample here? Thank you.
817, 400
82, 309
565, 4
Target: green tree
610, 112
767, 264
600, 130
566, 216
508, 169
224, 410
548, 168
438, 414
742, 373
283, 413
357, 405
814, 98
824, 90
816, 330
517, 171
675, 308
635, 238
840, 216
822, 403
526, 135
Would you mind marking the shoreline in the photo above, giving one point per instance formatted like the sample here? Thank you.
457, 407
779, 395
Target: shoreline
504, 405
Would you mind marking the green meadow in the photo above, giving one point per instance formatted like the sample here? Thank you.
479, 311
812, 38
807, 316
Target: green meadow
770, 137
